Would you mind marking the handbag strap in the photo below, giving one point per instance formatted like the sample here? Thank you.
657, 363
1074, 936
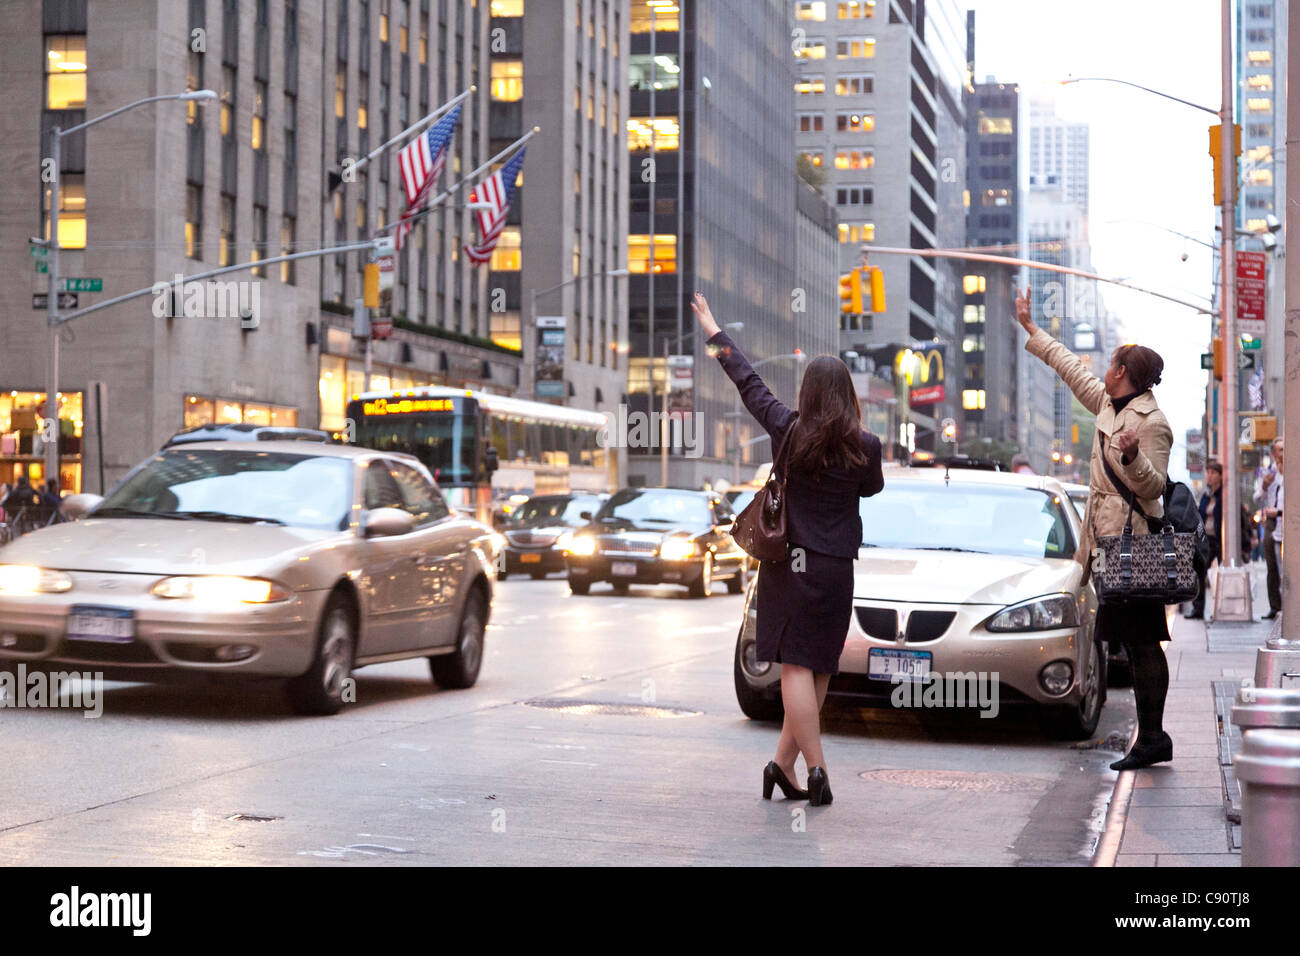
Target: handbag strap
1127, 494
785, 439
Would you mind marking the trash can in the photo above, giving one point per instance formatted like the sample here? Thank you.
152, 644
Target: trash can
1268, 768
1277, 664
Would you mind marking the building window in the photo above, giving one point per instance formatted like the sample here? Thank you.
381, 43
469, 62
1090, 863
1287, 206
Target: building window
854, 196
994, 125
973, 314
859, 10
1257, 177
72, 211
507, 8
665, 253
65, 72
855, 48
507, 256
857, 231
1260, 104
259, 239
815, 157
193, 81
664, 67
288, 234
203, 410
810, 10
504, 329
1260, 81
507, 81
855, 158
1264, 130
810, 85
647, 16
290, 130
973, 399
972, 343
854, 84
226, 241
227, 100
259, 115
383, 21
194, 222
639, 133
973, 284
340, 93
363, 108
854, 122
1259, 57
810, 122
812, 48
996, 197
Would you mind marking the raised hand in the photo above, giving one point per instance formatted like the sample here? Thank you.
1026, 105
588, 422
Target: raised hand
700, 306
1128, 443
1024, 312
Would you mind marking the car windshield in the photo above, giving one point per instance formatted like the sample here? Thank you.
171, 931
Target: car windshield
559, 509
657, 510
961, 516
218, 484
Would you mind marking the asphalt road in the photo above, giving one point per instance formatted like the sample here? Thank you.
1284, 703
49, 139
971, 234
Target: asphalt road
603, 730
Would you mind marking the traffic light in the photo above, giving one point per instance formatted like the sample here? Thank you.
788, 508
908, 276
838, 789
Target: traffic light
851, 293
1216, 142
370, 289
1074, 434
877, 290
1218, 359
950, 431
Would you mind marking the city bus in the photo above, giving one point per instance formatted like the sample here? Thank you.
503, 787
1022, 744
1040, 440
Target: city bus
540, 448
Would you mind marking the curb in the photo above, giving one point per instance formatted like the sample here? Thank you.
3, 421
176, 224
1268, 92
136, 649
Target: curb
1116, 815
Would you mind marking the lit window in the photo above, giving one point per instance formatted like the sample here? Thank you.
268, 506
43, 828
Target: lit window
972, 285
1259, 57
972, 399
507, 81
65, 72
854, 158
857, 10
226, 241
855, 122
810, 85
288, 231
1260, 104
665, 133
340, 93
1252, 225
661, 71
857, 232
1260, 81
855, 47
656, 15
193, 222
227, 101
665, 253
507, 8
996, 197
973, 314
994, 125
854, 84
1261, 177
505, 329
72, 211
810, 10
972, 343
507, 256
816, 157
259, 116
1260, 154
811, 48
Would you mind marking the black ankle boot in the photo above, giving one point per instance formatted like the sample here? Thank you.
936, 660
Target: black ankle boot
1147, 752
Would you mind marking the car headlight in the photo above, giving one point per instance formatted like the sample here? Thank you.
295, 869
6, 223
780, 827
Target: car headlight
676, 549
1040, 614
26, 579
220, 589
581, 544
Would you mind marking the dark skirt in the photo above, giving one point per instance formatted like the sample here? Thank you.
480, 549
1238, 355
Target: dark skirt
1132, 622
804, 609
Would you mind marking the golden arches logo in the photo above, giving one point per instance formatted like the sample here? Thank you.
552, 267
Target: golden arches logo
917, 366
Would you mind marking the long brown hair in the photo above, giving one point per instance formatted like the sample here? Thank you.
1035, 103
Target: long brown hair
828, 433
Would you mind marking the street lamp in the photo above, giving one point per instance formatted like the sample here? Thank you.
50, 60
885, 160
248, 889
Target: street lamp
50, 424
526, 331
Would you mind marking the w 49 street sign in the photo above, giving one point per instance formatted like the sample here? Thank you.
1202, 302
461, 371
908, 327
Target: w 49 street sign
83, 285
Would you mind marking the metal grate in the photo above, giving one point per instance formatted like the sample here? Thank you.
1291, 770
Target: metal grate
879, 622
928, 625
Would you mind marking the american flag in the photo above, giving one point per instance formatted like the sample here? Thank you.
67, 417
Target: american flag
1256, 387
498, 189
421, 161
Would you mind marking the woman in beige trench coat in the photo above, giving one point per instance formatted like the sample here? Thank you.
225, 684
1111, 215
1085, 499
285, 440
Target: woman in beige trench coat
1135, 437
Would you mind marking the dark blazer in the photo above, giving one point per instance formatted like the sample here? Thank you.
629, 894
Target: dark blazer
821, 509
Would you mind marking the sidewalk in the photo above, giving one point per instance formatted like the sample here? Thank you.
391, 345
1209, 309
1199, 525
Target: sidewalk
1187, 812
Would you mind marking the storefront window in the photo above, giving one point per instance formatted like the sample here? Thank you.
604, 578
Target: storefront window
200, 410
23, 441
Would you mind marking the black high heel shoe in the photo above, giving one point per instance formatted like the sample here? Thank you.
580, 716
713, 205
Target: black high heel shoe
774, 776
819, 787
1143, 754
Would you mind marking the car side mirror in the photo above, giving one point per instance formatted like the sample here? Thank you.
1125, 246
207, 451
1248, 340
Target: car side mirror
74, 507
584, 515
385, 522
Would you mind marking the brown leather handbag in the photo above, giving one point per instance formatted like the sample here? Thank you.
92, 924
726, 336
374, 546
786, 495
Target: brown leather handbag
759, 530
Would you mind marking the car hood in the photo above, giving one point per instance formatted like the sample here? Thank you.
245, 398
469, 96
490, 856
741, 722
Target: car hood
163, 546
639, 531
952, 577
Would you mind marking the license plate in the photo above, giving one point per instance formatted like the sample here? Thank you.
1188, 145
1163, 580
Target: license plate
107, 625
530, 558
623, 569
887, 663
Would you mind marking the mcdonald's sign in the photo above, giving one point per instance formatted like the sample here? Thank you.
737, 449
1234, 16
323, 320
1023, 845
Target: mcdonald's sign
922, 369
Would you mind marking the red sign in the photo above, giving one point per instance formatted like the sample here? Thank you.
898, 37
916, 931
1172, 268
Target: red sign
381, 327
1252, 287
927, 395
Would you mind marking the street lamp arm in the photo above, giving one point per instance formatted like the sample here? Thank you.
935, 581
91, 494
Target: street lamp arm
130, 106
1139, 86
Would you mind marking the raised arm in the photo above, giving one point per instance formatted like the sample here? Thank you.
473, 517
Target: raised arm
873, 482
767, 409
1087, 388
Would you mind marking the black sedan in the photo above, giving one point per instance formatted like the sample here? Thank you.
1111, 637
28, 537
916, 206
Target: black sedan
658, 536
535, 527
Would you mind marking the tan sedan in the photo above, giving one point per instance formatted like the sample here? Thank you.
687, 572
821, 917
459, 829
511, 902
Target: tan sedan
255, 559
965, 593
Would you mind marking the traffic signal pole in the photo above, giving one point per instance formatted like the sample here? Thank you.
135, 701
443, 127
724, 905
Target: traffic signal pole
1290, 518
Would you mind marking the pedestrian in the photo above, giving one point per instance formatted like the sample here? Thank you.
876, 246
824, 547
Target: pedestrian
50, 501
20, 498
1020, 464
805, 602
1211, 507
1133, 437
5, 488
1273, 534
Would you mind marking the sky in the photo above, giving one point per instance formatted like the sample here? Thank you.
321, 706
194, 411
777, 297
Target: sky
1149, 158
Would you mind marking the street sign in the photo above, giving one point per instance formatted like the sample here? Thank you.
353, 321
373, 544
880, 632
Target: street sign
42, 265
1245, 360
1207, 360
83, 285
1251, 344
1252, 285
67, 300
38, 252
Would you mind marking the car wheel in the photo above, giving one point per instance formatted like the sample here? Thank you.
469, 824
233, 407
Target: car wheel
754, 704
1079, 721
319, 692
620, 587
703, 585
1118, 671
579, 587
459, 670
736, 584
537, 575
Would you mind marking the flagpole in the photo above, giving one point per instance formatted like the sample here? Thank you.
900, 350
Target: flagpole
459, 184
440, 111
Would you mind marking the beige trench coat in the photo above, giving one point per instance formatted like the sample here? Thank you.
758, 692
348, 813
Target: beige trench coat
1145, 474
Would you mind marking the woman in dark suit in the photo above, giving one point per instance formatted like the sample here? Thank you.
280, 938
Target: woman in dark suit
806, 601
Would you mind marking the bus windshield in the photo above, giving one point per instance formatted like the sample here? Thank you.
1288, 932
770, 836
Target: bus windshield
444, 441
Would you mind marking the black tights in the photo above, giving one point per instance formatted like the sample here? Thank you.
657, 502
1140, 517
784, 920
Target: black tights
1150, 685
